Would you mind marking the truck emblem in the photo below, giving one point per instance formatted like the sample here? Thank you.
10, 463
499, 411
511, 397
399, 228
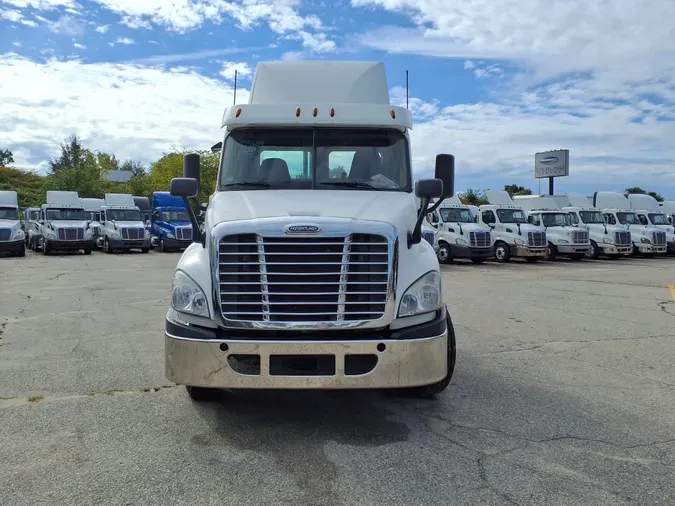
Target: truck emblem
302, 229
549, 160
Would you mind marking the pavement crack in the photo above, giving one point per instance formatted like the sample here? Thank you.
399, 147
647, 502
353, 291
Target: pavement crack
663, 307
482, 474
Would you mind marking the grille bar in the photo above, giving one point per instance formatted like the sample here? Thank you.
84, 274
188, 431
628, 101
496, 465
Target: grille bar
536, 239
659, 238
622, 238
480, 239
5, 234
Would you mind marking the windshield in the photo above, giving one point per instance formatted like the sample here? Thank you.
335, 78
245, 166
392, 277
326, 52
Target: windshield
175, 216
555, 219
9, 213
592, 217
458, 215
326, 159
659, 219
65, 214
628, 218
123, 215
511, 216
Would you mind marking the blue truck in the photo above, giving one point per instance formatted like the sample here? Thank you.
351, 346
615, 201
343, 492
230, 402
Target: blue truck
170, 222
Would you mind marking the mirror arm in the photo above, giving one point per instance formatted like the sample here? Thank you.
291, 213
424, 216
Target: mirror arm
415, 237
436, 205
198, 234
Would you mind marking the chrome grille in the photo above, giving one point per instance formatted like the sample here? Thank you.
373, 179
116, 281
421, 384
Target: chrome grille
96, 230
622, 238
5, 234
579, 236
132, 233
480, 239
184, 233
429, 237
659, 238
71, 234
536, 239
281, 279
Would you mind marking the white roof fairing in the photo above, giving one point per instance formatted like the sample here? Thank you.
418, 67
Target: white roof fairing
641, 202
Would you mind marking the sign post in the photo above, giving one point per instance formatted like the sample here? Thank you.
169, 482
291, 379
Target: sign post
552, 164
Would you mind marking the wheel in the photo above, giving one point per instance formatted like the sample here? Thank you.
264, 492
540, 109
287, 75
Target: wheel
593, 251
145, 250
478, 260
46, 247
443, 253
200, 393
613, 257
87, 251
531, 260
22, 251
438, 387
551, 251
577, 257
162, 248
502, 252
106, 246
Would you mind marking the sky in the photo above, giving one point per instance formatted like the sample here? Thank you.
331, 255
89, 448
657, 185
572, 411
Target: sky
492, 82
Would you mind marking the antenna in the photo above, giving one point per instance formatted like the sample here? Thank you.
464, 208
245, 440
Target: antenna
406, 89
235, 87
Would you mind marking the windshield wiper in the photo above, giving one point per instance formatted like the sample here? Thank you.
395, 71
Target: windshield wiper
351, 184
262, 184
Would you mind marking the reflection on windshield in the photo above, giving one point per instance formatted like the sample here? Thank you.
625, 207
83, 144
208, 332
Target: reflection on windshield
65, 214
123, 215
659, 219
511, 216
628, 218
175, 216
9, 213
555, 219
592, 217
457, 215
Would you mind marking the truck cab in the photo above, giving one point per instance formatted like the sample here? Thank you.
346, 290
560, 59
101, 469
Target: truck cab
31, 221
122, 225
651, 214
63, 224
12, 237
171, 228
92, 210
457, 234
143, 204
610, 241
311, 271
512, 235
615, 207
563, 238
668, 207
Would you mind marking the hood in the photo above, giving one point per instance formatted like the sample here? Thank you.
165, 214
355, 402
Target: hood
395, 208
68, 224
179, 223
131, 224
9, 223
524, 227
466, 227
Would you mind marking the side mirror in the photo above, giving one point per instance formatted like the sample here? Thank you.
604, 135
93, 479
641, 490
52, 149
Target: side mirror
185, 187
429, 188
445, 171
217, 147
191, 170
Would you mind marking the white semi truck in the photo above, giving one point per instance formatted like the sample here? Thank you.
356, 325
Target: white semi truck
512, 235
92, 210
668, 207
611, 241
31, 223
12, 237
563, 238
651, 214
647, 240
457, 235
122, 226
301, 278
63, 224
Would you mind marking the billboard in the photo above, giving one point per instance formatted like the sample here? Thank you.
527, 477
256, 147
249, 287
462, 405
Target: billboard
552, 163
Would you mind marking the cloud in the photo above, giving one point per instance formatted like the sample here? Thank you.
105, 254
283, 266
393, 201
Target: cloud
11, 15
228, 68
41, 4
122, 40
67, 25
162, 59
16, 44
79, 46
102, 28
137, 112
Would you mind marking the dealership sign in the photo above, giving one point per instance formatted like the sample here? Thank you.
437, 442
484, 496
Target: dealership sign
552, 163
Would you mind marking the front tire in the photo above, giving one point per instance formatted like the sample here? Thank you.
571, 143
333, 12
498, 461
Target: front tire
551, 251
200, 394
106, 246
145, 250
502, 252
87, 251
593, 251
22, 251
443, 254
46, 247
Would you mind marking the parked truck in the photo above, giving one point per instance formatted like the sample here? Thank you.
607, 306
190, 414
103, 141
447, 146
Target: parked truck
668, 207
143, 204
31, 227
512, 235
611, 241
63, 224
457, 234
651, 214
171, 227
122, 225
92, 210
300, 278
12, 237
563, 239
647, 240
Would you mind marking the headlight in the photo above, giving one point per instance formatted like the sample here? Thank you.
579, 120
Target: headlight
423, 296
169, 235
87, 232
187, 296
608, 240
461, 242
147, 233
19, 234
519, 241
114, 234
48, 232
564, 241
644, 240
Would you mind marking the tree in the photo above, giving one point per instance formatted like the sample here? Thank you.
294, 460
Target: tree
514, 189
473, 197
72, 156
171, 165
638, 190
6, 157
29, 186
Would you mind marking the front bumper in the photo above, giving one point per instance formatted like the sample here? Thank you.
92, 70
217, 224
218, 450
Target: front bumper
194, 356
671, 247
176, 243
13, 246
525, 251
70, 245
129, 243
458, 251
571, 249
650, 248
610, 249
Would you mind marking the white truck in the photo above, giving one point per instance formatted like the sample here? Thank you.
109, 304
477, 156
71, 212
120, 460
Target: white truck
12, 237
647, 240
122, 226
92, 210
302, 278
31, 224
457, 234
651, 214
668, 207
607, 240
512, 235
63, 224
563, 238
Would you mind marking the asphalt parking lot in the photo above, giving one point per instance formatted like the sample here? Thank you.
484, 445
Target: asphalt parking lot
564, 393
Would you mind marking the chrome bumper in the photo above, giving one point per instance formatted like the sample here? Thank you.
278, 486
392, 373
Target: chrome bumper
402, 363
609, 249
570, 249
650, 248
525, 251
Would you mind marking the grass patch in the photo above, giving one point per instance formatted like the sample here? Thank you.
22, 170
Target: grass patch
35, 398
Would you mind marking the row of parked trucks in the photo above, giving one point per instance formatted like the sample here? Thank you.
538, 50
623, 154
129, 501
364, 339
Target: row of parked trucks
532, 227
117, 222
